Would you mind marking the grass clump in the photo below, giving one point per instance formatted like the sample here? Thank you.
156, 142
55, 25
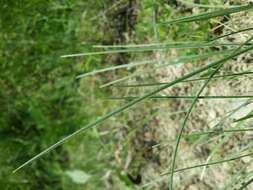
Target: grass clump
210, 55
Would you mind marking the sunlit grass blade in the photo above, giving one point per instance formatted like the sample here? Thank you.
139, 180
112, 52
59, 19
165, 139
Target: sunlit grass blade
187, 98
195, 57
209, 164
129, 65
111, 83
141, 49
232, 33
249, 116
192, 4
166, 45
203, 133
241, 74
131, 75
130, 104
245, 184
209, 15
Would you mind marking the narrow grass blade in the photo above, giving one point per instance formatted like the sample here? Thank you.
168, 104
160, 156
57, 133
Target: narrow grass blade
186, 119
245, 118
245, 184
111, 83
195, 57
209, 15
232, 33
166, 45
203, 133
189, 98
141, 49
129, 65
209, 164
192, 4
241, 74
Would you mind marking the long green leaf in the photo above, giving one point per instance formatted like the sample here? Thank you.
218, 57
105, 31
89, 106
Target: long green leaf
208, 15
245, 118
129, 65
232, 33
192, 4
240, 74
189, 98
174, 156
213, 132
209, 164
145, 48
245, 184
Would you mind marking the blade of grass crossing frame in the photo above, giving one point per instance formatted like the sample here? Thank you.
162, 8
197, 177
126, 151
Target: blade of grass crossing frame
245, 184
184, 123
245, 118
150, 48
190, 98
165, 45
219, 66
192, 4
209, 15
241, 74
213, 132
232, 33
209, 164
129, 65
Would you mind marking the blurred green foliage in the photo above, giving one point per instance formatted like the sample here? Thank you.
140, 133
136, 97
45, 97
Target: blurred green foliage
39, 103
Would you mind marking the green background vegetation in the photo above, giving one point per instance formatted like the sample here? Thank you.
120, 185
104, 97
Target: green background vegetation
39, 99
